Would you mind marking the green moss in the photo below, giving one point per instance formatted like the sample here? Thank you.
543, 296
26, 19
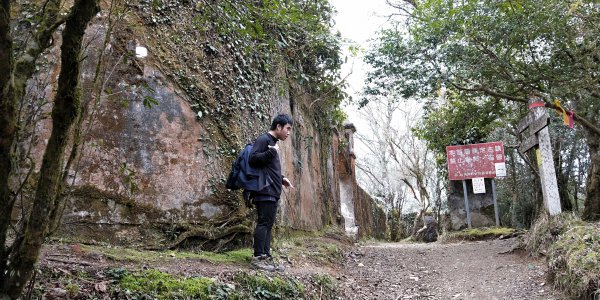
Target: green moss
380, 222
325, 250
154, 284
235, 256
477, 234
267, 287
133, 255
165, 286
573, 260
324, 246
72, 289
573, 251
123, 254
394, 225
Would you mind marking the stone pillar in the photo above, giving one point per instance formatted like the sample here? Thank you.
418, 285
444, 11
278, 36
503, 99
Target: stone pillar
546, 163
347, 183
349, 130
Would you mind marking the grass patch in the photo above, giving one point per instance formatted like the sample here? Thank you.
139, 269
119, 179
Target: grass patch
327, 287
546, 231
572, 248
154, 284
330, 252
235, 256
574, 261
320, 250
134, 255
266, 287
476, 234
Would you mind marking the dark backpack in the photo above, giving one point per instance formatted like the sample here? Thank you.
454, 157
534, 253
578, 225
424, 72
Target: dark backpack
242, 175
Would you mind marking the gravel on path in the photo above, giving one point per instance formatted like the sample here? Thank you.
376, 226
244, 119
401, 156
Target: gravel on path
467, 270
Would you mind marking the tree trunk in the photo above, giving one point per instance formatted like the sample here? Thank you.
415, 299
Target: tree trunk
16, 72
591, 209
8, 122
64, 113
563, 192
515, 195
418, 223
563, 173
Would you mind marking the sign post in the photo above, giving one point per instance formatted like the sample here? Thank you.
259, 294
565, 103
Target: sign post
476, 161
537, 134
496, 213
467, 203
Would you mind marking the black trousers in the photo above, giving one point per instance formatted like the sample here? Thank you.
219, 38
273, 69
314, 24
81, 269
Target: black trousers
266, 211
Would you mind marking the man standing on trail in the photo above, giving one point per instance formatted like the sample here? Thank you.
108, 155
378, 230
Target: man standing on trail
265, 157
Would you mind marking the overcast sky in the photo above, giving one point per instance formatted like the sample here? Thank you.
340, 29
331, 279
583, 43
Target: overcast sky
358, 21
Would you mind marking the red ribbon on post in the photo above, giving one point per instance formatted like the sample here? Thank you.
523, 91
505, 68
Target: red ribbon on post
570, 113
537, 104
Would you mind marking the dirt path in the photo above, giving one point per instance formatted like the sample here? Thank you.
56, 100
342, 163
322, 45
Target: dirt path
470, 270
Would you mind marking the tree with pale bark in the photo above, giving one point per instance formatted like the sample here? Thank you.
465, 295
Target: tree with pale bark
398, 168
20, 243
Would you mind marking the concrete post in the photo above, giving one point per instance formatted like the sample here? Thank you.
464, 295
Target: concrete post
546, 164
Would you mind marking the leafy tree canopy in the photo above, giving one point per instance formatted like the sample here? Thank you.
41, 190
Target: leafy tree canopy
499, 49
481, 51
454, 124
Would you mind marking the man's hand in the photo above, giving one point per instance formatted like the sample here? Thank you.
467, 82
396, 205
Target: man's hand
287, 183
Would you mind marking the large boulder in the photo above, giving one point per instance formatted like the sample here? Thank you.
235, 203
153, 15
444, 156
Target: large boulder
429, 232
481, 206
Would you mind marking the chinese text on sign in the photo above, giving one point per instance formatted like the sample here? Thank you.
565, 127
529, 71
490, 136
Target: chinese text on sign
474, 161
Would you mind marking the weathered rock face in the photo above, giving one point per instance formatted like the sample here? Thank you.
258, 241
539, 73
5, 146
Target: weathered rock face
154, 174
481, 206
370, 216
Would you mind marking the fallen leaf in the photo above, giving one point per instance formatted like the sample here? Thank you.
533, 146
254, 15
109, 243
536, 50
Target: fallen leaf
101, 286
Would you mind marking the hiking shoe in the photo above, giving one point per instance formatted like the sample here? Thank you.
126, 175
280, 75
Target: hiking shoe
276, 265
259, 262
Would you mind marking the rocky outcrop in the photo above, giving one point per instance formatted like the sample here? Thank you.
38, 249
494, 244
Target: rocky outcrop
481, 206
362, 216
160, 133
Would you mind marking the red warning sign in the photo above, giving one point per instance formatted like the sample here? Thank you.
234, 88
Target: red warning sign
475, 161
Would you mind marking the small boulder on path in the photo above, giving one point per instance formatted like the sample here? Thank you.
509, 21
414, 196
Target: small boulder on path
429, 232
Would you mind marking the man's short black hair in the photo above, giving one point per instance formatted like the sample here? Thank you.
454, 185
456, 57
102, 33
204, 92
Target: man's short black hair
281, 119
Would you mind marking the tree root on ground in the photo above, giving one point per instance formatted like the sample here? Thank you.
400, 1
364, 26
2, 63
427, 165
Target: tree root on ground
213, 239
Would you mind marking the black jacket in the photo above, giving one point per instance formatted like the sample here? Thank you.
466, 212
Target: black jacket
267, 159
